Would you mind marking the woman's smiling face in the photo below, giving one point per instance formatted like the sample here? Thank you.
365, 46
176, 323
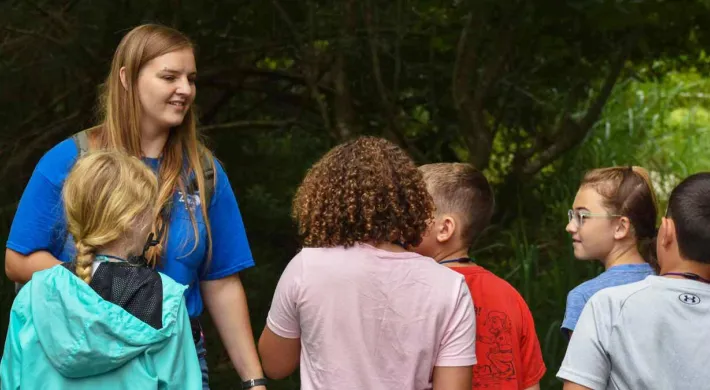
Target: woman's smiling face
166, 89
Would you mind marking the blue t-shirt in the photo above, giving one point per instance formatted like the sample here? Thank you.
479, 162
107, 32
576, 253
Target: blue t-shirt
614, 276
40, 224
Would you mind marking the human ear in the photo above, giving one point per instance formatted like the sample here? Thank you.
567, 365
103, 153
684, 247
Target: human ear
666, 232
446, 229
623, 228
122, 75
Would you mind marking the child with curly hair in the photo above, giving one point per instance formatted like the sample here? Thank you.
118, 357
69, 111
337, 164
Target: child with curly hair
355, 307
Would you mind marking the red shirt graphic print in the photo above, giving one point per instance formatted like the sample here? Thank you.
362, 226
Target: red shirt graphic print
507, 347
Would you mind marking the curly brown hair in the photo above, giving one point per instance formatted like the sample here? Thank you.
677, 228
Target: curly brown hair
364, 190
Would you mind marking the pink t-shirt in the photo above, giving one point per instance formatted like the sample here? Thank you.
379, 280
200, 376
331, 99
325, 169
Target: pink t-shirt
373, 319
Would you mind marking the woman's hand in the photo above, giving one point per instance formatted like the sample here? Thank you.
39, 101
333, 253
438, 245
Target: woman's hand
227, 303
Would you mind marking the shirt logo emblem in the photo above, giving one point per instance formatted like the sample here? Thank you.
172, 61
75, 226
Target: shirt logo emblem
192, 200
689, 299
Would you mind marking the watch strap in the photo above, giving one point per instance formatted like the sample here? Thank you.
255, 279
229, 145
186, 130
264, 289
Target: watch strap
248, 384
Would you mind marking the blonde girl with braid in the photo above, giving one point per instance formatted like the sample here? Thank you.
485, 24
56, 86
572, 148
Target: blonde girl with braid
113, 220
103, 320
146, 109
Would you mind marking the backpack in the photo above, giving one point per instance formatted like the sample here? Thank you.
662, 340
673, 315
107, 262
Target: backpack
81, 139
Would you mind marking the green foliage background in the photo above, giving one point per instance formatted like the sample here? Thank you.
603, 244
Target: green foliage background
534, 93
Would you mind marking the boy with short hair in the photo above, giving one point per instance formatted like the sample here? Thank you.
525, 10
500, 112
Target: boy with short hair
507, 346
651, 334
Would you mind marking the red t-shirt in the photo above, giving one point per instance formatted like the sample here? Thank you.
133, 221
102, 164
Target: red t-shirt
507, 347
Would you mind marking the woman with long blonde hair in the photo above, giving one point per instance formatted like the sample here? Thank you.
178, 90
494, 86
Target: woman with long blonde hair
116, 324
147, 111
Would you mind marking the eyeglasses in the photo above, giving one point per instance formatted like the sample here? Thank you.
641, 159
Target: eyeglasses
579, 216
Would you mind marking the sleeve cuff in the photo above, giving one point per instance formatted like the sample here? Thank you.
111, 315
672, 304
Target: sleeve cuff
280, 331
536, 377
230, 271
581, 379
456, 362
568, 325
23, 250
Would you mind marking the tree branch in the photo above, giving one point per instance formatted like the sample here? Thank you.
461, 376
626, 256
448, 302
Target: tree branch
571, 132
398, 50
376, 71
54, 16
215, 77
209, 115
468, 97
70, 4
494, 67
257, 124
34, 34
472, 125
465, 64
345, 123
310, 68
541, 140
21, 147
393, 129
52, 105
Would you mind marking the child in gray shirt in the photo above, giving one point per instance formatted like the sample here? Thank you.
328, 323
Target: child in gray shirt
652, 334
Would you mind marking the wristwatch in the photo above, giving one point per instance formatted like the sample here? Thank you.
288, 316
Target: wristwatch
248, 384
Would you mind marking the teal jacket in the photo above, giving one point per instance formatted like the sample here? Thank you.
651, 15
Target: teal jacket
63, 335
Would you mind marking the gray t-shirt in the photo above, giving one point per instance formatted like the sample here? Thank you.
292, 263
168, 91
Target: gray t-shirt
651, 334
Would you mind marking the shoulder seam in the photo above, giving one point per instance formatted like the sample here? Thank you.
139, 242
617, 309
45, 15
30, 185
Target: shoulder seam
617, 314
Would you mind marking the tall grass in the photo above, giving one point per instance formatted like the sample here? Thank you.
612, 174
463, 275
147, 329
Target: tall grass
646, 124
659, 125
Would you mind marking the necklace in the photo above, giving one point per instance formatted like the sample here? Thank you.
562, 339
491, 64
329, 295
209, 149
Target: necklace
110, 259
688, 275
101, 258
459, 260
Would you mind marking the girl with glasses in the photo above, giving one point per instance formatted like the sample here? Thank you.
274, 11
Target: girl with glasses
612, 220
